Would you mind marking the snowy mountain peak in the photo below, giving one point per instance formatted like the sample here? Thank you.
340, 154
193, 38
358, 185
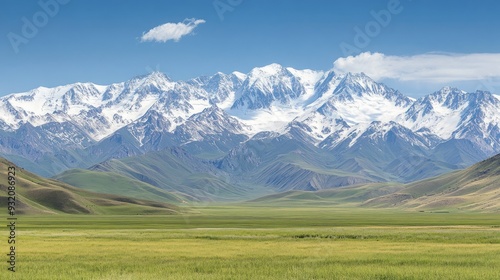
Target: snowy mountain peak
263, 76
268, 85
155, 76
210, 121
448, 96
358, 84
268, 70
454, 113
360, 77
449, 89
454, 98
154, 81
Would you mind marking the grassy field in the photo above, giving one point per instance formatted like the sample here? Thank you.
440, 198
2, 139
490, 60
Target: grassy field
260, 242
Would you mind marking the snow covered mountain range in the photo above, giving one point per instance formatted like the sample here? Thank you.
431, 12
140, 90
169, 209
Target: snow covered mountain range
358, 125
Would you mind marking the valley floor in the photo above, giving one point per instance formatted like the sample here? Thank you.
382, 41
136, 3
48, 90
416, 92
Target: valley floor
243, 242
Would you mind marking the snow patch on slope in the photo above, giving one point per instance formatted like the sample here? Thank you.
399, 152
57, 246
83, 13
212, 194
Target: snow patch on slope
308, 78
273, 119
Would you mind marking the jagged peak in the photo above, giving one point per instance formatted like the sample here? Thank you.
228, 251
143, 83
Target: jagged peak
213, 108
447, 90
357, 83
453, 97
155, 76
154, 79
360, 75
359, 79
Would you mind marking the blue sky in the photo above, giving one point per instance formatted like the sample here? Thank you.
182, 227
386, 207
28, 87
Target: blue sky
100, 41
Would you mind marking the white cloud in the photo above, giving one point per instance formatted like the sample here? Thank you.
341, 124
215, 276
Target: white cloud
171, 31
431, 67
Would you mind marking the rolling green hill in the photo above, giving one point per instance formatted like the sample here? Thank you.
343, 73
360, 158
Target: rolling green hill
113, 183
475, 188
37, 195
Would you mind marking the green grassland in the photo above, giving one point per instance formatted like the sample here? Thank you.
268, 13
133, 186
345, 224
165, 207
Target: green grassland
65, 232
260, 242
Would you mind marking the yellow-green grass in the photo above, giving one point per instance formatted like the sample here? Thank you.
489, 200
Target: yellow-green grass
265, 217
204, 254
236, 242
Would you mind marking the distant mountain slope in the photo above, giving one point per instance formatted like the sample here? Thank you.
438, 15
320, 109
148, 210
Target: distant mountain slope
175, 171
113, 183
36, 195
343, 196
283, 163
474, 188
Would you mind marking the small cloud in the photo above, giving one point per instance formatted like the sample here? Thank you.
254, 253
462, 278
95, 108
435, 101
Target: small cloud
171, 31
431, 67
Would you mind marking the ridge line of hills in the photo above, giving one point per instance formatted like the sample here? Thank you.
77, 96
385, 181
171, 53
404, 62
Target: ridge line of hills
476, 188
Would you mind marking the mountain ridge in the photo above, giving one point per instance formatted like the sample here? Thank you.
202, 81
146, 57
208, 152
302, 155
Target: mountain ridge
364, 126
